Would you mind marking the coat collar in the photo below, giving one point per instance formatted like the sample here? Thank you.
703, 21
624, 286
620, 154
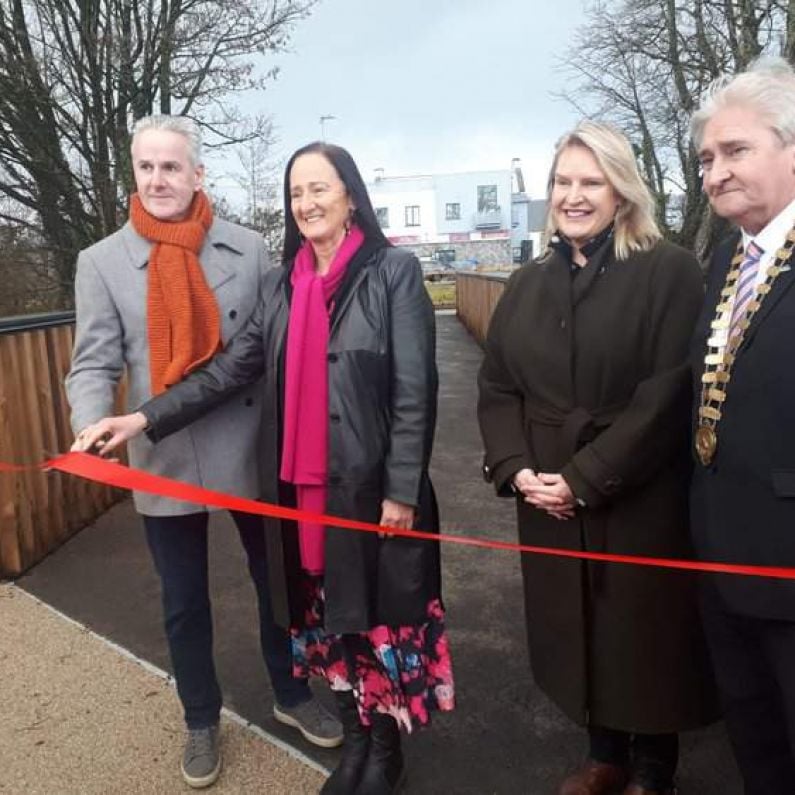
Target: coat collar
357, 270
558, 272
569, 292
561, 243
219, 236
598, 262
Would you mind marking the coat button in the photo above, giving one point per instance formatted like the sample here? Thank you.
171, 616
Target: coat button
332, 357
233, 313
249, 401
335, 418
562, 323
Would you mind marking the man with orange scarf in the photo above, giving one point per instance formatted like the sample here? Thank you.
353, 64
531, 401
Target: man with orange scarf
157, 299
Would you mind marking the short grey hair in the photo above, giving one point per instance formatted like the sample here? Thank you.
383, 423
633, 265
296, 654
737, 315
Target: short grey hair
177, 124
767, 86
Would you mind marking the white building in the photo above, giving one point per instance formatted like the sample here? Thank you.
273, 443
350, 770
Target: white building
527, 221
464, 216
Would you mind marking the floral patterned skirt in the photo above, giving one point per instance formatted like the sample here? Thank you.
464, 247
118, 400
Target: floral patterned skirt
404, 672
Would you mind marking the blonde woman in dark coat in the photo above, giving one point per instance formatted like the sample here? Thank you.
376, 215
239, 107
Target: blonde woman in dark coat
584, 410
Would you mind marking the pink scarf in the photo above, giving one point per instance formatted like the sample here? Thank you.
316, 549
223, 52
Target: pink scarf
305, 447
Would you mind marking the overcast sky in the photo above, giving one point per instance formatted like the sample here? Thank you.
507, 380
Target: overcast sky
426, 86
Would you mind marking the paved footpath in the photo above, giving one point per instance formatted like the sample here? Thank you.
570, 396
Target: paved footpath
505, 737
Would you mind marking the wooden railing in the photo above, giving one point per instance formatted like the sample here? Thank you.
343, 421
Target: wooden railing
38, 511
476, 296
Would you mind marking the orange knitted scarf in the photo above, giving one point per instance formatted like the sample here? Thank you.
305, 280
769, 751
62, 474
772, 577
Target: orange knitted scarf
183, 320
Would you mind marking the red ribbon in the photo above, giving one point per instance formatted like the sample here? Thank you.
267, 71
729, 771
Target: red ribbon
97, 469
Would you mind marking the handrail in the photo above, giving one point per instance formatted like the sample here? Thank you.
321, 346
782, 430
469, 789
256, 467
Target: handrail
489, 276
11, 325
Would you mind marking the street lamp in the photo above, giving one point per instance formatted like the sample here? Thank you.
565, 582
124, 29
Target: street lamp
323, 120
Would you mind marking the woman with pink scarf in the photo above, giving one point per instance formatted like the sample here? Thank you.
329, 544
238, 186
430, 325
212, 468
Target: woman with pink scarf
344, 335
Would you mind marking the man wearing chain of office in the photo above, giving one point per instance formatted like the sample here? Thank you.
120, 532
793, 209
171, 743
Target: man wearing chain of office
743, 498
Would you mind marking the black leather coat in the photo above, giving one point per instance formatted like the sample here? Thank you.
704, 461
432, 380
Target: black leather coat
382, 413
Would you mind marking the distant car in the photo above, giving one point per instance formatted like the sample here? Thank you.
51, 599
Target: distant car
464, 264
433, 271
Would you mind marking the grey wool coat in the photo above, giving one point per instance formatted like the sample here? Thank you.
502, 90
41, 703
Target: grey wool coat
220, 451
382, 412
588, 377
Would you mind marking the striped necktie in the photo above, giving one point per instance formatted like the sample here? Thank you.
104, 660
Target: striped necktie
746, 282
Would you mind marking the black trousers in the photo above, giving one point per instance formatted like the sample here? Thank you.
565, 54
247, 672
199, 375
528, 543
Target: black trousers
652, 758
754, 662
179, 549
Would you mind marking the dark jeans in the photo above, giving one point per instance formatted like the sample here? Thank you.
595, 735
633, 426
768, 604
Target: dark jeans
652, 757
179, 549
754, 662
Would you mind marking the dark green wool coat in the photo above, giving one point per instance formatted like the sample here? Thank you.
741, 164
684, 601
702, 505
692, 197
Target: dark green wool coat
588, 377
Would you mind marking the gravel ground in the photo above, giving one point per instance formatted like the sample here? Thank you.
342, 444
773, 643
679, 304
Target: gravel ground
81, 718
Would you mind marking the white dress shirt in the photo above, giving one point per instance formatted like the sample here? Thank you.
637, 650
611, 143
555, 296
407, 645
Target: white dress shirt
770, 239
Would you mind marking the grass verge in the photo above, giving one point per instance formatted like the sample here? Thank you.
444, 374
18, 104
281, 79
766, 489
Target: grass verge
442, 294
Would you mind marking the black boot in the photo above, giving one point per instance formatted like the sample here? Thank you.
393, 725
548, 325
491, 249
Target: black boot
383, 773
356, 744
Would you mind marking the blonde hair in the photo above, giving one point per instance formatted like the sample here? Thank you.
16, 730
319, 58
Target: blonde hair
634, 226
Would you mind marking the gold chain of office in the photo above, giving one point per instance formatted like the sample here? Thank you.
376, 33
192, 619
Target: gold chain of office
720, 356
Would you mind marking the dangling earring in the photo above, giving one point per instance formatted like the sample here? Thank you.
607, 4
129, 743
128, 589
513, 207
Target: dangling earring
349, 220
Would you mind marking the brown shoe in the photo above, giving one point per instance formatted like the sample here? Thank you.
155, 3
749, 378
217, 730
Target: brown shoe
595, 778
639, 789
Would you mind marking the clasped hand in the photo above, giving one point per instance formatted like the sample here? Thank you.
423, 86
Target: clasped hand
546, 491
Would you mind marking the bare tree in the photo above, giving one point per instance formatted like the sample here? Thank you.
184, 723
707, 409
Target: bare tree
643, 65
261, 179
74, 75
25, 273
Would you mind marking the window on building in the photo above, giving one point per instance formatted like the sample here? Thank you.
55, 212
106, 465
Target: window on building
412, 215
382, 215
487, 199
452, 212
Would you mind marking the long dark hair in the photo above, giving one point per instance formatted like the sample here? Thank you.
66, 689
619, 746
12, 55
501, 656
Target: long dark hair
348, 172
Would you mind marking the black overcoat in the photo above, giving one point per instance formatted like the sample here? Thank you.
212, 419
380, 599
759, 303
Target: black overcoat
588, 376
382, 413
743, 504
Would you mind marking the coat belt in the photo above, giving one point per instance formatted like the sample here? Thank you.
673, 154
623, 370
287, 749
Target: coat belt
578, 426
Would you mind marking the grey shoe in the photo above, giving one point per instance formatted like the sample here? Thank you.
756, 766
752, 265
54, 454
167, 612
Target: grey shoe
313, 720
201, 761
